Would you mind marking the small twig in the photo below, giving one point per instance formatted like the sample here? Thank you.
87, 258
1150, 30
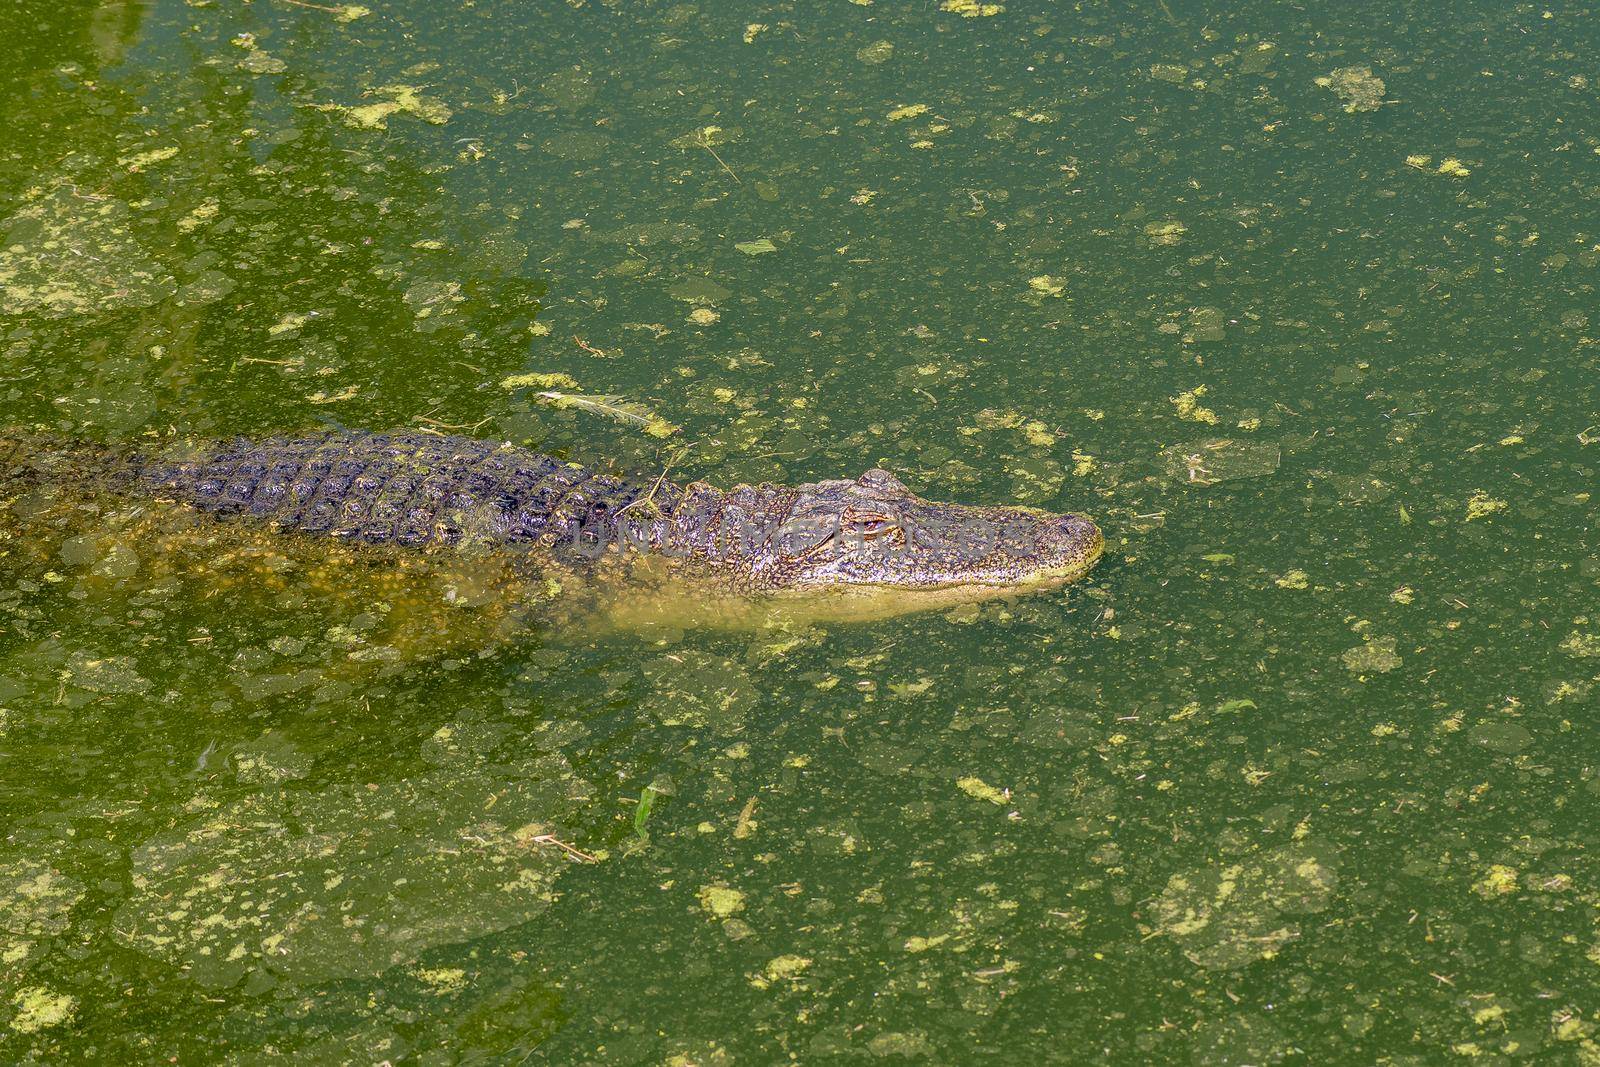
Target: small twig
649, 498
551, 839
705, 142
673, 462
449, 425
314, 7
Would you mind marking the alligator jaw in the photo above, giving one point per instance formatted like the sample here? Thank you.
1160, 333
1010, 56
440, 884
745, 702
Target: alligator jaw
645, 593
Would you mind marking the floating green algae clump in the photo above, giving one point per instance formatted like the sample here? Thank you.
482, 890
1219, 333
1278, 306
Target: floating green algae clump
876, 52
35, 898
36, 901
1229, 916
971, 9
402, 100
1376, 656
355, 878
37, 1008
69, 253
1358, 88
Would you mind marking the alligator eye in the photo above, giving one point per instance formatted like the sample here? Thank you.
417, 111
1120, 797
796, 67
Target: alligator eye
878, 478
870, 527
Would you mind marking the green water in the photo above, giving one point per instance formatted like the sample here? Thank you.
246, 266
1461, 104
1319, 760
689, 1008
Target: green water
1295, 300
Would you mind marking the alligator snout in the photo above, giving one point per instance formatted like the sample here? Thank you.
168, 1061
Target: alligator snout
1067, 534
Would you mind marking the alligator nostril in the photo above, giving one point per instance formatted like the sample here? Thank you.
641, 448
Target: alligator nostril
1067, 531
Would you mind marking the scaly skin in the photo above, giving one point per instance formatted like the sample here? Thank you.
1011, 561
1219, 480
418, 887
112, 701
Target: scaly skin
418, 490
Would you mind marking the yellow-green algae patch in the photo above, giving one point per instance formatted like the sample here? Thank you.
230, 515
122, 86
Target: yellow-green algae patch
355, 878
1480, 505
1294, 579
1500, 880
1376, 656
65, 252
1165, 233
1227, 915
1186, 405
721, 901
971, 9
978, 789
1357, 88
36, 902
35, 898
787, 966
876, 52
442, 980
38, 1008
402, 100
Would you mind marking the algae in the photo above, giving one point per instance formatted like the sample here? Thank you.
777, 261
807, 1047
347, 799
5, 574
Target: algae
1228, 915
69, 253
1357, 88
352, 879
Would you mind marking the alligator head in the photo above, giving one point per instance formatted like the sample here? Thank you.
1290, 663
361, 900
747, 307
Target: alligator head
873, 533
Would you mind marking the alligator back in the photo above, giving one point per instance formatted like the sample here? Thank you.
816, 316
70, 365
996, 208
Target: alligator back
400, 488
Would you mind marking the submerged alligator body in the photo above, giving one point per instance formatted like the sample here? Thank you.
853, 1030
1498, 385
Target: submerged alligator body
418, 490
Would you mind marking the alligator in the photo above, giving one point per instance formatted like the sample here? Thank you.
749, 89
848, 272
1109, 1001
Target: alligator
422, 490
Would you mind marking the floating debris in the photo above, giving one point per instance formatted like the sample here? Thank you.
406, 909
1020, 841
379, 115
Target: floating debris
876, 52
1212, 461
1186, 406
1165, 233
612, 407
1376, 655
971, 9
978, 789
1357, 88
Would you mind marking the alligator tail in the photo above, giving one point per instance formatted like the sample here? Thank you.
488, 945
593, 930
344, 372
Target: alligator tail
29, 459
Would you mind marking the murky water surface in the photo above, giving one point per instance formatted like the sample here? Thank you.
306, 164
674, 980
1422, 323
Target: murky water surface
1298, 301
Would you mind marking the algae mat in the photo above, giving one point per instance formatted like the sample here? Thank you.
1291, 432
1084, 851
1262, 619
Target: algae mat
1297, 300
